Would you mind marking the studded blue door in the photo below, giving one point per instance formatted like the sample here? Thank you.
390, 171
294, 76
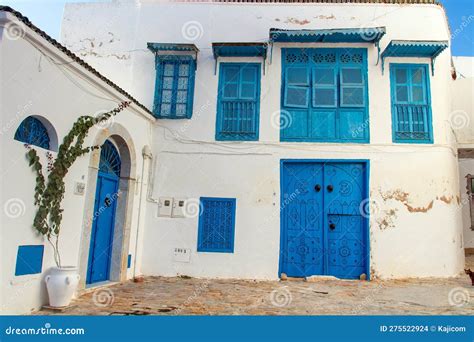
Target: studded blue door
100, 251
324, 230
302, 207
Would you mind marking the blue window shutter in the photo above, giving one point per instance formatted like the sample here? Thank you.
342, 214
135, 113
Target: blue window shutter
216, 225
352, 90
31, 131
333, 105
324, 87
174, 87
29, 260
411, 108
238, 103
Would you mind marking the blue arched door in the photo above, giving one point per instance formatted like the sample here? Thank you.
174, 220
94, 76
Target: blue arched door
106, 196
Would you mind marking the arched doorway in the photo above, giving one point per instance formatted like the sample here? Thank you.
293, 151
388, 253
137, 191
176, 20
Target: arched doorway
105, 207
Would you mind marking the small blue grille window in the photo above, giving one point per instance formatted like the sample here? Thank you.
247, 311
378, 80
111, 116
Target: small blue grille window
216, 225
29, 260
174, 89
411, 108
238, 103
31, 131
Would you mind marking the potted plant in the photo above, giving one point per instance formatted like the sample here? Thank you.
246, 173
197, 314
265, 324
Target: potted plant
49, 194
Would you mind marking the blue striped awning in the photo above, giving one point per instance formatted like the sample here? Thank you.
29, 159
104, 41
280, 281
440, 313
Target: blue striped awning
414, 48
347, 35
239, 50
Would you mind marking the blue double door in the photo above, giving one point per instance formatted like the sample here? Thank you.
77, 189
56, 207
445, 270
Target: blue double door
323, 219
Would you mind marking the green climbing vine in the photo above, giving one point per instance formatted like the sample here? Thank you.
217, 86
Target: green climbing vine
49, 192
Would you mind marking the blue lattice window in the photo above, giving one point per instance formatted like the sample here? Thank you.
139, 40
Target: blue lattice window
31, 131
174, 89
238, 103
216, 225
411, 107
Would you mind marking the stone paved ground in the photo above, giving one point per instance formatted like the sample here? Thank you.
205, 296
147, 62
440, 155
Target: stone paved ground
191, 296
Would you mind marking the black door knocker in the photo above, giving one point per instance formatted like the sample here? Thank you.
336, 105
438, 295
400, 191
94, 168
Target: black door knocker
317, 187
330, 188
332, 226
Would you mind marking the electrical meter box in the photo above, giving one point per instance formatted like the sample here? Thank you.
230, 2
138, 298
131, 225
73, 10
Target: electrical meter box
179, 205
165, 206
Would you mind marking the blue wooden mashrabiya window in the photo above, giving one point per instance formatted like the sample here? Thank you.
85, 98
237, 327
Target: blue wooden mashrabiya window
31, 131
324, 95
216, 225
411, 103
238, 103
174, 88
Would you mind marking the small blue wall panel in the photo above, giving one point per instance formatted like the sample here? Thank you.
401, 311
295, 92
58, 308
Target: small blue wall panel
216, 225
29, 260
411, 103
324, 95
238, 102
129, 261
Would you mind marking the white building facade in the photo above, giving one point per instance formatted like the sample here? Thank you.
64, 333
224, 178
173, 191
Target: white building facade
292, 139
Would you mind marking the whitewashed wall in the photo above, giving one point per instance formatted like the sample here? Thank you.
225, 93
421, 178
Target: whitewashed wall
462, 119
415, 229
36, 80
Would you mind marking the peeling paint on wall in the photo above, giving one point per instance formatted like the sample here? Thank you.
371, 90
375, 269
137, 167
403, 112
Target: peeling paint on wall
297, 21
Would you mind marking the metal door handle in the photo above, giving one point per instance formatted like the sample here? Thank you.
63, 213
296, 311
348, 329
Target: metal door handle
317, 187
330, 188
107, 202
332, 226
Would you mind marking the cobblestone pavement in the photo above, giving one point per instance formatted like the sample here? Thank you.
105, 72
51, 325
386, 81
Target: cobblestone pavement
192, 296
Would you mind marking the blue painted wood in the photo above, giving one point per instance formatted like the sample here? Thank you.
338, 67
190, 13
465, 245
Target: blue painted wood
29, 260
310, 245
100, 251
302, 205
129, 261
216, 225
411, 104
348, 35
174, 87
325, 95
31, 131
238, 102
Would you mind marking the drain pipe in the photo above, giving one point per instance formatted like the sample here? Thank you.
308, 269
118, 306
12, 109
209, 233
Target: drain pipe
146, 153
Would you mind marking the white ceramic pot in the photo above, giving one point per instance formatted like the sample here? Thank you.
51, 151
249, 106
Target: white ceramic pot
61, 284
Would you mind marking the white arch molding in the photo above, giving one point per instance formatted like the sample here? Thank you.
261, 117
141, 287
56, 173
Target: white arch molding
118, 135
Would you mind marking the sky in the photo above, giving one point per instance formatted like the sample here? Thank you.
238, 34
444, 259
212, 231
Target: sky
47, 14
